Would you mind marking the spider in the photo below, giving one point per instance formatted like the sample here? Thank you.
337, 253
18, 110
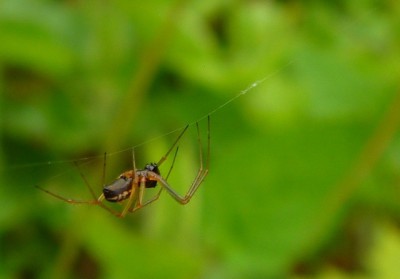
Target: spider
131, 184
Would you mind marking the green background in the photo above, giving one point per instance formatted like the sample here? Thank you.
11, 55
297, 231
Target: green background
304, 177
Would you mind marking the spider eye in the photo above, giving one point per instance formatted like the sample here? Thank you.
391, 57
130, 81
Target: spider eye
151, 167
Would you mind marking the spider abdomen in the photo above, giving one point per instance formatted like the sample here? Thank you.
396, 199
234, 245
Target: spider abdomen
118, 190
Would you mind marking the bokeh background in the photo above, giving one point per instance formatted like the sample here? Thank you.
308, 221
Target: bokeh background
304, 175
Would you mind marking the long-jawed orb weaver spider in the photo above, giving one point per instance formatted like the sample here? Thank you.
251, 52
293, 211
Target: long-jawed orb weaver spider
131, 184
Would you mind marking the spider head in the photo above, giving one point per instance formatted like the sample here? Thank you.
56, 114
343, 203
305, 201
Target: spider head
152, 167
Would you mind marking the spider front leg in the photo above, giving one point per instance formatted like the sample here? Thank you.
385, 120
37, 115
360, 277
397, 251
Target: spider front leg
192, 190
201, 174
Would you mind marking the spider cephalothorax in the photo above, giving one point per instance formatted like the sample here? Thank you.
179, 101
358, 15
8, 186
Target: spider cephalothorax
154, 168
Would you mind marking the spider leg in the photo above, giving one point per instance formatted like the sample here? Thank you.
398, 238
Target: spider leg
142, 187
163, 158
139, 201
173, 163
95, 201
153, 199
193, 188
71, 201
201, 174
134, 186
103, 180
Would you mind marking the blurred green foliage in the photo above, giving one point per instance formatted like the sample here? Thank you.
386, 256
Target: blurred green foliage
305, 167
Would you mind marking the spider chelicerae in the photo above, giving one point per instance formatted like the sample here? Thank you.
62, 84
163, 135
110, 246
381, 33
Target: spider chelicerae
131, 184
